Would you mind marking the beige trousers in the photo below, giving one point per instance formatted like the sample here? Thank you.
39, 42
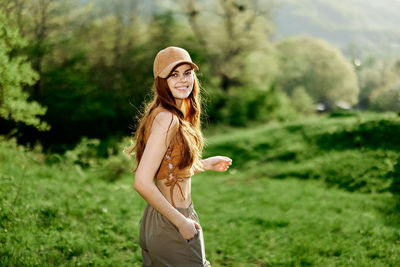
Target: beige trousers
163, 245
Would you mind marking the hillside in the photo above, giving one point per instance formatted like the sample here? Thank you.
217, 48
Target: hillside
309, 193
355, 153
371, 26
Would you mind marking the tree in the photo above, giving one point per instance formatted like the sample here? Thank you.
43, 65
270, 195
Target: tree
320, 68
47, 25
16, 72
388, 100
241, 59
235, 37
301, 101
380, 84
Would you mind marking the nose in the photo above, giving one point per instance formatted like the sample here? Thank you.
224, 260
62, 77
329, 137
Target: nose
184, 78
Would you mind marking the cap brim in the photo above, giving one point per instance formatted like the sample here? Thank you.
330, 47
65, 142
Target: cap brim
167, 70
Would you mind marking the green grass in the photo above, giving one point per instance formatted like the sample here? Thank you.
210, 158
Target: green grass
354, 153
310, 193
255, 221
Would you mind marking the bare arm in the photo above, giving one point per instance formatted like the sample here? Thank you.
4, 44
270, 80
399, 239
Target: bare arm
156, 147
204, 167
216, 163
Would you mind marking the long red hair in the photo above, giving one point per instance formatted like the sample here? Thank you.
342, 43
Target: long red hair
189, 131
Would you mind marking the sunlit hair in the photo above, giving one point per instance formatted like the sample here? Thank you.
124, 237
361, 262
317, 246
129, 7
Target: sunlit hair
189, 132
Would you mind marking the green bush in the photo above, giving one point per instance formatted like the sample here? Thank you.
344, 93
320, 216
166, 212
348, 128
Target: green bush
381, 133
243, 105
17, 73
302, 101
85, 153
343, 113
395, 185
112, 168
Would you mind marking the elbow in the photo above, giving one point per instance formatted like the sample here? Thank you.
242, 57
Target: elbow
140, 186
137, 186
142, 183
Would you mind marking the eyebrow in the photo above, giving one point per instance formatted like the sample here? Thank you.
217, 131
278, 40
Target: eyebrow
184, 71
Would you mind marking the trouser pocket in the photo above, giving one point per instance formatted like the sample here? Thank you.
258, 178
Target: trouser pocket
195, 238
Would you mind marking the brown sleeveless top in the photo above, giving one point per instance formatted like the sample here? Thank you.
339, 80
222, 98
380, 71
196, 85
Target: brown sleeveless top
169, 169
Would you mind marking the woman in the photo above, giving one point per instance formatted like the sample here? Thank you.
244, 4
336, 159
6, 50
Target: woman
168, 151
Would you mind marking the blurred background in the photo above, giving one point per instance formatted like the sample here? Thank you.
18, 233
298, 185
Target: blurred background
304, 96
84, 68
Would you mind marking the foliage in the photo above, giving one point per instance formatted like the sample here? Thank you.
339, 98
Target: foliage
16, 73
241, 60
380, 84
387, 101
234, 36
94, 60
344, 113
108, 165
247, 105
302, 101
98, 57
84, 153
320, 68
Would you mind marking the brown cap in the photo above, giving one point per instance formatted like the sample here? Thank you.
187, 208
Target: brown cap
168, 58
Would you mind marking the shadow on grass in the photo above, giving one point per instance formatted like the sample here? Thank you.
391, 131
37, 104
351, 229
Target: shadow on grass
391, 210
355, 158
395, 188
383, 134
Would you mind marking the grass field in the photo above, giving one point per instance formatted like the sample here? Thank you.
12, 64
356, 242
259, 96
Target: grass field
310, 193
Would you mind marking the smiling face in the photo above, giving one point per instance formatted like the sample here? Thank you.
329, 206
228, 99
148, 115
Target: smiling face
180, 82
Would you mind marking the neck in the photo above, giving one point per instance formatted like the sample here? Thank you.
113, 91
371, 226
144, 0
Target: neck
179, 103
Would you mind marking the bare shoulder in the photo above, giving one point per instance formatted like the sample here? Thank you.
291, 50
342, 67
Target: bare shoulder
166, 120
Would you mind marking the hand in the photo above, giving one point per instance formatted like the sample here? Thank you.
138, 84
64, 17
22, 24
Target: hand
218, 163
188, 228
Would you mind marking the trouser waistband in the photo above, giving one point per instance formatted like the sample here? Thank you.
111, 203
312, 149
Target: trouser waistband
186, 211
